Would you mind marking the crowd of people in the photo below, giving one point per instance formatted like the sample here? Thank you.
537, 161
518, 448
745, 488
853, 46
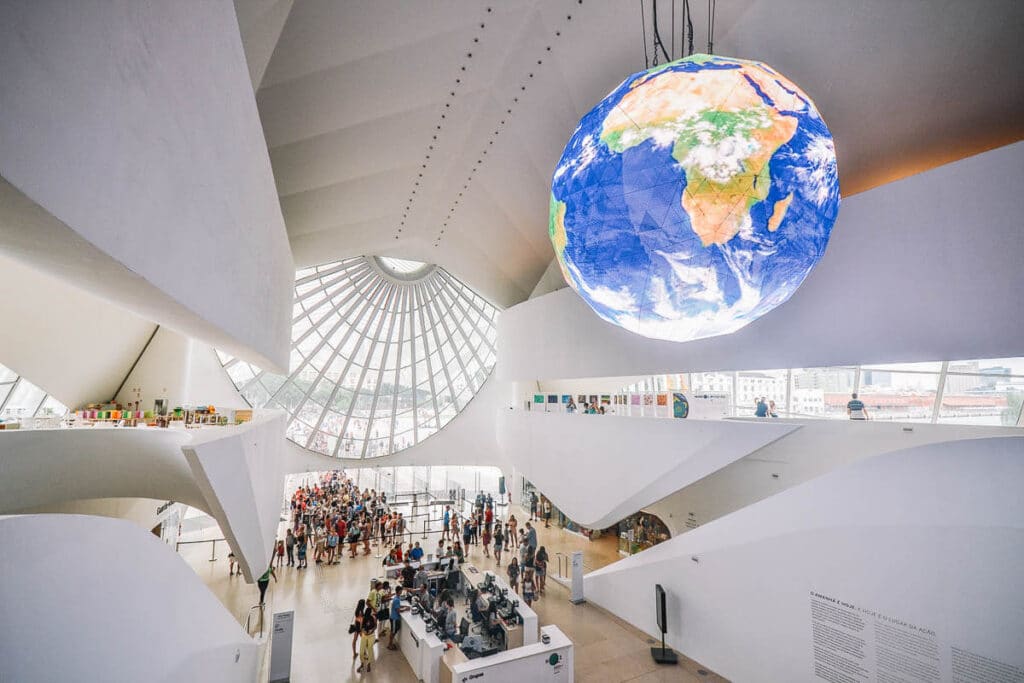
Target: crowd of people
333, 513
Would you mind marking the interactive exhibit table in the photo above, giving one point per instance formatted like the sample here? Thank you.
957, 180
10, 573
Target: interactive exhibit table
432, 663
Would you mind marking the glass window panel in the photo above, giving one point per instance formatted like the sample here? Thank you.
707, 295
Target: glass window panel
241, 373
989, 366
398, 328
24, 400
51, 408
822, 392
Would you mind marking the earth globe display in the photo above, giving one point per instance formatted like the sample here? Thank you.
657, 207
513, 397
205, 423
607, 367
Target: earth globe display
694, 198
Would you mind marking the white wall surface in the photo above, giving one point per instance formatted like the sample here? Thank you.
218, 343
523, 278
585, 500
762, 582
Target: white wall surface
182, 370
240, 471
136, 167
141, 511
236, 474
924, 268
816, 448
74, 610
933, 536
598, 470
50, 466
74, 345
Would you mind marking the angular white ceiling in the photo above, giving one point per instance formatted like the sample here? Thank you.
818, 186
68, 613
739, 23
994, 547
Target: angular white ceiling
430, 130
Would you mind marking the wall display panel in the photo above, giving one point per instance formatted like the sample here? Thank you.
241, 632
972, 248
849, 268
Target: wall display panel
385, 352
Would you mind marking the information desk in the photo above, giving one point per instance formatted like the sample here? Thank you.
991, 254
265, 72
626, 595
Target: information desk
473, 577
392, 571
422, 650
537, 663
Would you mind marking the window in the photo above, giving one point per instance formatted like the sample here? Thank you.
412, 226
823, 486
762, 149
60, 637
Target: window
19, 398
987, 391
385, 352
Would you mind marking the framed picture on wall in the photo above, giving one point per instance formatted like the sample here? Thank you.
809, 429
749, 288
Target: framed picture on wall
606, 399
593, 398
648, 399
581, 399
538, 398
552, 398
634, 399
662, 399
566, 398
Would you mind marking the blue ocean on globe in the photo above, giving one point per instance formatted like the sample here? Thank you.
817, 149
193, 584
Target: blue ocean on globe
694, 198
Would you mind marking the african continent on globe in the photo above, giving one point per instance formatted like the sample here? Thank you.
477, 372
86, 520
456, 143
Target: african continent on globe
694, 198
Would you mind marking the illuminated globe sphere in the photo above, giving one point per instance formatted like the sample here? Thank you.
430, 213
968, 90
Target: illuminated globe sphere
695, 198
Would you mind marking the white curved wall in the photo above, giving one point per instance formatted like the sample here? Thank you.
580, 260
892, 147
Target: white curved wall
74, 610
931, 536
598, 470
48, 466
72, 344
234, 473
816, 448
924, 268
133, 165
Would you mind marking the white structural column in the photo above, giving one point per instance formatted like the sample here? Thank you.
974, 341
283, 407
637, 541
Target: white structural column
242, 479
133, 165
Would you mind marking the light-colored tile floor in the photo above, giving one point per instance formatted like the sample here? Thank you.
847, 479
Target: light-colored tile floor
323, 598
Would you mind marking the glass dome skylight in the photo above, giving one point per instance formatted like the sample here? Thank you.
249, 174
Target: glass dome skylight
385, 352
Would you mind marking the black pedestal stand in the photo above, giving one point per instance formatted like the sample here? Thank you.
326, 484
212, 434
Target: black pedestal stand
662, 655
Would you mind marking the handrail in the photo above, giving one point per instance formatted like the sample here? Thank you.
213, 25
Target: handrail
213, 548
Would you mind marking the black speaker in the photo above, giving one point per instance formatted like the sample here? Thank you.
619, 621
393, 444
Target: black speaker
662, 655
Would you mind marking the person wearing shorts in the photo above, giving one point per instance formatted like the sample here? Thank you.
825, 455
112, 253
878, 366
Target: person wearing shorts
396, 617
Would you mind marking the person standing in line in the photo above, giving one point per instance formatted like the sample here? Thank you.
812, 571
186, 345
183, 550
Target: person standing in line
486, 541
446, 521
540, 566
499, 540
528, 587
264, 580
332, 545
280, 553
369, 637
396, 617
356, 629
856, 409
474, 529
547, 513
467, 533
289, 546
512, 527
513, 573
300, 541
531, 536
